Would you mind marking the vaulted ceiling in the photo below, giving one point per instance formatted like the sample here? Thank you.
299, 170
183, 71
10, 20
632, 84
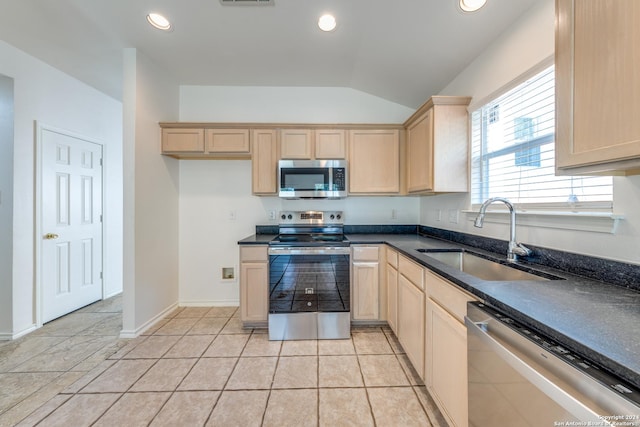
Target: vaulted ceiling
400, 50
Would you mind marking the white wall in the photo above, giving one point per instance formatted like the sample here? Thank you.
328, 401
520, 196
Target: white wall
525, 44
210, 190
287, 105
49, 96
6, 203
150, 195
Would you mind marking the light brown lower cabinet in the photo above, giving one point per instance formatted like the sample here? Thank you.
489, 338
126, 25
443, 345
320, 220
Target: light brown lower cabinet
446, 348
392, 297
254, 285
365, 283
410, 312
447, 360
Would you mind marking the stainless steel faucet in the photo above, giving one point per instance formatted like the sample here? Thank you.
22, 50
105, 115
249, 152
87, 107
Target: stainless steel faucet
515, 249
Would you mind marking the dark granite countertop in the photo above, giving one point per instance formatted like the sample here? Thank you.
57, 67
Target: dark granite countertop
598, 320
257, 239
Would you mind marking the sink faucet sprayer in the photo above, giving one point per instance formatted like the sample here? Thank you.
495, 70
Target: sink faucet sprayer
515, 249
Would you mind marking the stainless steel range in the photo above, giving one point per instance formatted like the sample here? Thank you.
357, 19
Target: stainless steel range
309, 292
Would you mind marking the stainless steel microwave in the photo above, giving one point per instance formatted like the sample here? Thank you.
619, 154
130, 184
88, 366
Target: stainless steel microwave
312, 179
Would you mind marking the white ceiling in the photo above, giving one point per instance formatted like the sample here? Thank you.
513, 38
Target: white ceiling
400, 50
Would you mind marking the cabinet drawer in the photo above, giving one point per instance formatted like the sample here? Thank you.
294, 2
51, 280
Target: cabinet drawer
448, 295
411, 271
253, 253
392, 258
365, 253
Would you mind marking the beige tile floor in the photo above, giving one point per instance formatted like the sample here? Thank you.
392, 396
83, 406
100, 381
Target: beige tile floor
199, 367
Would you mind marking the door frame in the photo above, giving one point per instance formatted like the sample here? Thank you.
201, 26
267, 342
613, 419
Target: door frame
39, 128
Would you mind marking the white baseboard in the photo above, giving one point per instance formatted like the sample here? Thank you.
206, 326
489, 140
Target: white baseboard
14, 336
136, 332
112, 295
210, 303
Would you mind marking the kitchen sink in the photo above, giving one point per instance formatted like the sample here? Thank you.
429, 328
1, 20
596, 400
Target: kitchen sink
483, 268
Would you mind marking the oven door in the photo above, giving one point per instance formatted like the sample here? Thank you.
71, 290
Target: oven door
309, 293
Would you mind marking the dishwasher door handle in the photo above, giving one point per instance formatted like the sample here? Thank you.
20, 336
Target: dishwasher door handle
562, 397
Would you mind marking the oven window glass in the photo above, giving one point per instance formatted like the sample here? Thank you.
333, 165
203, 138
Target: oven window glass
308, 179
308, 283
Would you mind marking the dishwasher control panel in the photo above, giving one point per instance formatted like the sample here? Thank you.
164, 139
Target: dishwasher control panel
579, 362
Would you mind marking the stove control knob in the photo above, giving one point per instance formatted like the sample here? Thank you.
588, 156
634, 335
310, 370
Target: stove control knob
289, 216
332, 216
339, 216
309, 304
283, 216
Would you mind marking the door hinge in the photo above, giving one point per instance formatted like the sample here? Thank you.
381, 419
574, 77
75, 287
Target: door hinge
100, 161
100, 218
101, 274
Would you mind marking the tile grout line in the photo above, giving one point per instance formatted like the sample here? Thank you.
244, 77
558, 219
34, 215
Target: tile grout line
224, 386
409, 379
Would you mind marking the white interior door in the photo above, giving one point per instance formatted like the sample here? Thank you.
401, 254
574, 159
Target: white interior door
71, 223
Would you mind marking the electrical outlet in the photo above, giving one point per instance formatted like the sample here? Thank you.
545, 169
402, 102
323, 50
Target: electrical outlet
438, 215
272, 215
232, 215
394, 214
453, 215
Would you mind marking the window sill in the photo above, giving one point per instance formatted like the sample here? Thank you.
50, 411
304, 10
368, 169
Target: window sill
596, 222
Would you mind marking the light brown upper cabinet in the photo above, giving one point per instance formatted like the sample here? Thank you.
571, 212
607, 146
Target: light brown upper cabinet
437, 146
319, 144
374, 161
296, 144
194, 140
182, 140
330, 144
597, 87
264, 162
227, 141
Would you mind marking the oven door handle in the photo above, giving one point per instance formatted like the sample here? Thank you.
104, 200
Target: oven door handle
317, 250
536, 376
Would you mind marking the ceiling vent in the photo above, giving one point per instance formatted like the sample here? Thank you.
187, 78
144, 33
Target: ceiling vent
247, 2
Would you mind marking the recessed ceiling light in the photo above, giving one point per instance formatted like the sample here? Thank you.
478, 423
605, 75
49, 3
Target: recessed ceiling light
471, 5
327, 22
159, 21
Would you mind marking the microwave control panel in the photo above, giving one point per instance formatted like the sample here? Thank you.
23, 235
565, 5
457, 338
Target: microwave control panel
339, 179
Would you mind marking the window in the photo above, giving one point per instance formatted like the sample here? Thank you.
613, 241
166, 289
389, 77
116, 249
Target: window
512, 140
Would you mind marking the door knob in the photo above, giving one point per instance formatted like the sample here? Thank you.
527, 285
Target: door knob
50, 236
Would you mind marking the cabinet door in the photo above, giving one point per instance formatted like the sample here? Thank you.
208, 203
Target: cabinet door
411, 322
295, 143
227, 141
392, 298
330, 144
374, 161
254, 292
365, 291
596, 124
182, 140
447, 364
420, 154
264, 161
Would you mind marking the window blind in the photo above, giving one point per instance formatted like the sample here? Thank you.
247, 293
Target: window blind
513, 153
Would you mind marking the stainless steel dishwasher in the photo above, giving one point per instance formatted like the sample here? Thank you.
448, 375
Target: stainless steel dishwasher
519, 377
